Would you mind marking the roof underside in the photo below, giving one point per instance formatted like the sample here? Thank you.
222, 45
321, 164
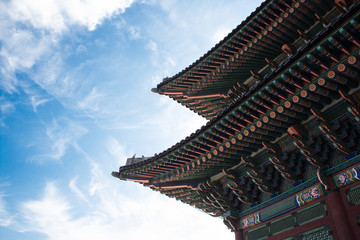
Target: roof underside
259, 111
217, 79
244, 116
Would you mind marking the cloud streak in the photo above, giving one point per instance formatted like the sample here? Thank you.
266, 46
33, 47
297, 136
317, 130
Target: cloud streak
117, 151
61, 134
73, 186
6, 108
5, 218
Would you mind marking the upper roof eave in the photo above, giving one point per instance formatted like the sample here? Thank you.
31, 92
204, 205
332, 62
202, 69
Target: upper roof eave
213, 49
216, 119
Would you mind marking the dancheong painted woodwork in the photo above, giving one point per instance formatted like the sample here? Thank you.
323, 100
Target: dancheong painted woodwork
280, 155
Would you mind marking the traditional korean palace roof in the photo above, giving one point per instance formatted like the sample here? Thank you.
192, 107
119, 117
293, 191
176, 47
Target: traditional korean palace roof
281, 93
213, 82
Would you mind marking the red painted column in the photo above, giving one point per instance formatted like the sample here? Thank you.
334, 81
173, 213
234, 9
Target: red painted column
337, 212
239, 235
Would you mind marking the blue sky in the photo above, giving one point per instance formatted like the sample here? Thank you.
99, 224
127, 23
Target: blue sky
75, 102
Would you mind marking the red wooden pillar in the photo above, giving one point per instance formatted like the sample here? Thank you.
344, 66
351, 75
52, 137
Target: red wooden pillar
239, 235
339, 221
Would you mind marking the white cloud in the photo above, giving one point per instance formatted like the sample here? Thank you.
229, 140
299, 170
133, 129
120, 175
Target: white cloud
119, 23
80, 49
56, 16
73, 186
48, 213
37, 101
134, 32
110, 213
152, 46
169, 61
22, 43
62, 133
117, 151
220, 34
6, 108
21, 49
91, 101
32, 30
175, 116
5, 218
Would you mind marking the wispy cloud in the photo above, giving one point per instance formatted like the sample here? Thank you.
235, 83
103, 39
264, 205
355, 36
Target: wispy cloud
174, 116
21, 49
6, 219
37, 101
112, 213
73, 186
91, 101
117, 151
32, 33
61, 134
220, 34
58, 15
152, 46
49, 212
6, 108
134, 32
